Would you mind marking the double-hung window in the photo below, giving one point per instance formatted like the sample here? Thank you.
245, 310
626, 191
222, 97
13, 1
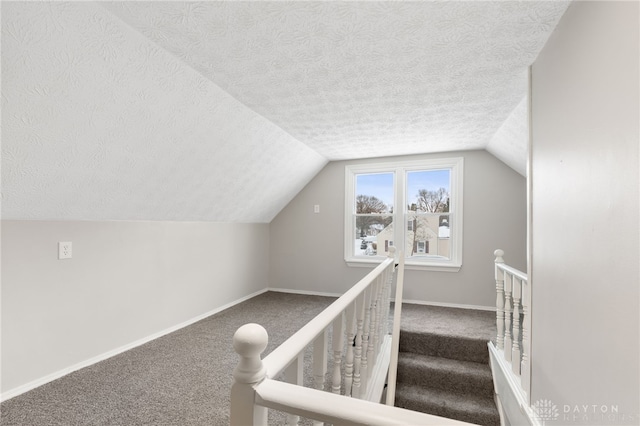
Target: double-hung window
415, 206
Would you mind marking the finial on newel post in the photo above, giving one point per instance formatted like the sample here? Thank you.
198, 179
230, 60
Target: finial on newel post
249, 341
392, 252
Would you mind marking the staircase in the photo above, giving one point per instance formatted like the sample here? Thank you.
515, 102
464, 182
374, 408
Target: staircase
443, 364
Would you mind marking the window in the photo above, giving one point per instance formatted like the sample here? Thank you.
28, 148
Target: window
416, 204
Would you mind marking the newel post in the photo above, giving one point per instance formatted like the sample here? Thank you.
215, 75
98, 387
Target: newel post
249, 341
499, 276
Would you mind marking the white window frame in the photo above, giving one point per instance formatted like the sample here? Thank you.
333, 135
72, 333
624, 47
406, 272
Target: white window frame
399, 170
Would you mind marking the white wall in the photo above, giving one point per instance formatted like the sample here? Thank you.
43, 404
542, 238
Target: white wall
585, 277
307, 249
125, 282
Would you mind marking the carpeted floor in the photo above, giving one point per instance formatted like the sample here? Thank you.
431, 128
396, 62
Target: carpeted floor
185, 377
181, 379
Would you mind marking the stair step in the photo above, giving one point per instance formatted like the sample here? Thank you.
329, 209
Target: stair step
445, 346
467, 408
457, 322
460, 377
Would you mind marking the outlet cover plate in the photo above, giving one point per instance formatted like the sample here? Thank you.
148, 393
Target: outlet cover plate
64, 250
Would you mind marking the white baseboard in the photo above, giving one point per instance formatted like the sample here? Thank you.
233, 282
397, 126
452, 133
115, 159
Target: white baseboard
63, 372
451, 305
305, 292
60, 373
414, 302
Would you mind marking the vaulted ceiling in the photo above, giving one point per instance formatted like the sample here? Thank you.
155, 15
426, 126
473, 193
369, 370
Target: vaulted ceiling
223, 111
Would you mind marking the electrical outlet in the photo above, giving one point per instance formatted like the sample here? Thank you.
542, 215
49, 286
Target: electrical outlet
316, 208
64, 250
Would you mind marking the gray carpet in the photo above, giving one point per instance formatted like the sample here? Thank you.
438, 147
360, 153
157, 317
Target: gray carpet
184, 378
453, 333
443, 364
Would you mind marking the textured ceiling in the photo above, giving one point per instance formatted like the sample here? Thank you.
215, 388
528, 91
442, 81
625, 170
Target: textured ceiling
99, 123
361, 79
511, 142
223, 111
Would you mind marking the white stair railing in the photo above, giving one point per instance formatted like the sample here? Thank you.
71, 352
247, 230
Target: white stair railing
360, 316
513, 321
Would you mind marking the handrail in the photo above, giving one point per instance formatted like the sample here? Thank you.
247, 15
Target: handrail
312, 403
286, 353
365, 311
513, 271
359, 371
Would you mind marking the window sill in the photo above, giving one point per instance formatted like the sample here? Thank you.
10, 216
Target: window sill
370, 263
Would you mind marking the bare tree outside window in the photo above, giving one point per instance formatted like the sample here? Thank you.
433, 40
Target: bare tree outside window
433, 201
428, 201
368, 204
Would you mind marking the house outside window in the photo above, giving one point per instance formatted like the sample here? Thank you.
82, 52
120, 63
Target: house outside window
423, 197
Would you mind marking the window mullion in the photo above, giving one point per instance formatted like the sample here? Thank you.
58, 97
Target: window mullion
400, 210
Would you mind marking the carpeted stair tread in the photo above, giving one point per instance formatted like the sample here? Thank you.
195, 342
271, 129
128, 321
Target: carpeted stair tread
460, 377
455, 322
472, 409
445, 345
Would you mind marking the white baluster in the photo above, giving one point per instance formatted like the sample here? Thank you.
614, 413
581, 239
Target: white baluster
515, 347
499, 276
386, 291
357, 361
387, 303
337, 346
319, 364
384, 304
249, 341
380, 313
348, 361
526, 348
320, 360
364, 369
293, 374
389, 275
373, 333
508, 285
373, 337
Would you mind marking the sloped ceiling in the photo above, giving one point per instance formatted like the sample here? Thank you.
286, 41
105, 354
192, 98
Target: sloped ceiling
511, 142
223, 111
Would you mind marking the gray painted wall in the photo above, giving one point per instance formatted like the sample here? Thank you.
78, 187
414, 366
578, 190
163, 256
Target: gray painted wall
585, 277
126, 281
307, 248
